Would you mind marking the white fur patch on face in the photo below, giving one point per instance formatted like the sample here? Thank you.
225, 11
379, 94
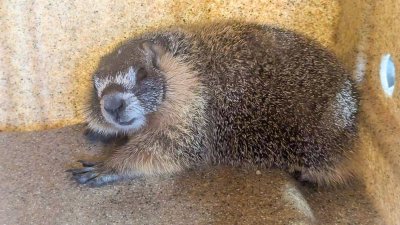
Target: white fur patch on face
133, 111
127, 80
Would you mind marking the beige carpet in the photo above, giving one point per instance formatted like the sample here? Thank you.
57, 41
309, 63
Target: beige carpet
34, 189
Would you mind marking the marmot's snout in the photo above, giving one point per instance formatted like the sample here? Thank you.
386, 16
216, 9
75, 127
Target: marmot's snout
114, 105
121, 108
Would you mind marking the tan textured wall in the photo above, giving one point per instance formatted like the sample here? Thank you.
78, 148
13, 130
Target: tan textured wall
352, 31
367, 30
380, 128
48, 48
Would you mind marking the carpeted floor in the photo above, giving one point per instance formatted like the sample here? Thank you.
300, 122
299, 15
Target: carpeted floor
34, 189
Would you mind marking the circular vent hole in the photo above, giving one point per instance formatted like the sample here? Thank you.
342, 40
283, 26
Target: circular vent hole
388, 74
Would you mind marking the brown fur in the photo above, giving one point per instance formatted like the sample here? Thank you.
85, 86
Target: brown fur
234, 93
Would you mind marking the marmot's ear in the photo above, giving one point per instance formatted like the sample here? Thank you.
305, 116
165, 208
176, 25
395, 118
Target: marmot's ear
153, 53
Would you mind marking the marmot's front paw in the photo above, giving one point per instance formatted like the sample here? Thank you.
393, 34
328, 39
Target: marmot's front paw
93, 174
95, 137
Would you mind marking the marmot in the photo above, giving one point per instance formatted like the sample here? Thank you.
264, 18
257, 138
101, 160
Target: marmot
222, 93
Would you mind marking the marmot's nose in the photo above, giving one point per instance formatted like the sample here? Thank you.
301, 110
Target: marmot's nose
113, 104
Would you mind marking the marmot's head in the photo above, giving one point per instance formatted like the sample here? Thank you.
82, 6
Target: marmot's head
128, 86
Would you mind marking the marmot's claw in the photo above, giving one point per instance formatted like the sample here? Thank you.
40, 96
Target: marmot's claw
93, 174
84, 177
80, 170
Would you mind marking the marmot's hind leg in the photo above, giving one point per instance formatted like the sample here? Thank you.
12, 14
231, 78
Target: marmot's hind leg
328, 176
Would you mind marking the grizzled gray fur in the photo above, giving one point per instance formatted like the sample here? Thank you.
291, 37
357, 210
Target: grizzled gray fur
223, 93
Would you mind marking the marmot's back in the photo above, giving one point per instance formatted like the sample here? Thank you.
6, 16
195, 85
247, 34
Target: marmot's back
276, 98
